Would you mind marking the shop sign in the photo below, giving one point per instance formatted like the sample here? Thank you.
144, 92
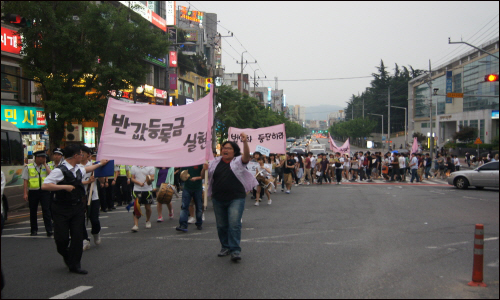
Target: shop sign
146, 13
160, 94
89, 137
191, 35
170, 10
191, 15
149, 90
11, 41
172, 59
24, 117
157, 61
494, 114
173, 81
449, 86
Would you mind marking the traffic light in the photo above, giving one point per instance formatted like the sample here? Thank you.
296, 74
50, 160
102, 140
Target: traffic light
491, 78
208, 84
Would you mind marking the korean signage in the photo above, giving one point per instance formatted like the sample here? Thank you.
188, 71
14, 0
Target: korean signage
146, 13
11, 41
172, 59
191, 15
449, 85
24, 117
191, 35
173, 81
171, 18
160, 94
272, 138
89, 137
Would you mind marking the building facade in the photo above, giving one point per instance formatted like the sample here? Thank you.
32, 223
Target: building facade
478, 108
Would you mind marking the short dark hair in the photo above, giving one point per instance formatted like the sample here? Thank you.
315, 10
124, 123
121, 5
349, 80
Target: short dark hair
237, 150
257, 152
71, 150
86, 149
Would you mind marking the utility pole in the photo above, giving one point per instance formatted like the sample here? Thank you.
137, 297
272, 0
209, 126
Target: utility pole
363, 107
389, 117
241, 73
254, 83
431, 139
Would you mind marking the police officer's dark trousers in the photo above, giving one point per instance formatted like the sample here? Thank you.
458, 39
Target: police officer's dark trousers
44, 198
69, 220
124, 195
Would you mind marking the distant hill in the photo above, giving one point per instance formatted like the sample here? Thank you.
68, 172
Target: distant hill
320, 112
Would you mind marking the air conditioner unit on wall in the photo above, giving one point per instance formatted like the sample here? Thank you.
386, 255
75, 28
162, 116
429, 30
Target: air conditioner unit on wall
74, 135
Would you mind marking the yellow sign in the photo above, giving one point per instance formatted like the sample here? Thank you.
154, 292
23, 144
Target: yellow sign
455, 95
478, 141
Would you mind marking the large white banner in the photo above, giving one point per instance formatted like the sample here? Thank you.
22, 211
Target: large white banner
272, 137
159, 136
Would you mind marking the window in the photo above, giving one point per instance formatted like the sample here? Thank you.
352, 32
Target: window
457, 83
481, 130
10, 83
234, 83
12, 149
493, 166
425, 125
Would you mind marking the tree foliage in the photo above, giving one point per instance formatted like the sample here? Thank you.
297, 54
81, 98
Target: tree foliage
78, 51
357, 128
241, 111
465, 134
375, 97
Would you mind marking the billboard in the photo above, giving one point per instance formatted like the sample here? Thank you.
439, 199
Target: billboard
24, 117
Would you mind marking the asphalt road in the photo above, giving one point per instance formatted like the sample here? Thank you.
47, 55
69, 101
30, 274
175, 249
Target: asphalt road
329, 241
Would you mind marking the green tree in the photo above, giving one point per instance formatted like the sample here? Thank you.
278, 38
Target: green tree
78, 51
465, 134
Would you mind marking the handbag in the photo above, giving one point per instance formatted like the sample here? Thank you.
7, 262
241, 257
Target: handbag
318, 173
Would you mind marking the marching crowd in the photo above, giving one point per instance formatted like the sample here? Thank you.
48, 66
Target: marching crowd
63, 186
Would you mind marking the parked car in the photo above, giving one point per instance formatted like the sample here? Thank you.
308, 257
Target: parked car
483, 176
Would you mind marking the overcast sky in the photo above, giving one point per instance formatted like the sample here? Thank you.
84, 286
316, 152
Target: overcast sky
319, 40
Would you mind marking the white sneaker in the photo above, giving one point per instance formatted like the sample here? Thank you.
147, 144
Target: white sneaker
191, 220
296, 185
135, 228
256, 203
288, 191
269, 202
308, 183
148, 224
86, 245
97, 239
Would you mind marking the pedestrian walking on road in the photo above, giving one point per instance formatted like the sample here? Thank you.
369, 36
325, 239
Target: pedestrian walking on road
228, 182
163, 175
414, 167
192, 190
143, 193
68, 206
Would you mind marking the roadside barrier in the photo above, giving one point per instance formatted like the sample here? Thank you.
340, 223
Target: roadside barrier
477, 269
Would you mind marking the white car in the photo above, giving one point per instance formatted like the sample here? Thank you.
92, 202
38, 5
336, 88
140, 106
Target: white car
483, 176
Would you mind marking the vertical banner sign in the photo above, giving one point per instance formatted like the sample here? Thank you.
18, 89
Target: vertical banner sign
159, 136
449, 85
272, 138
172, 59
173, 81
170, 11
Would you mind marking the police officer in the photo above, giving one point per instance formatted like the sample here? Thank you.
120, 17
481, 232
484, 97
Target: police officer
34, 175
57, 158
122, 179
68, 207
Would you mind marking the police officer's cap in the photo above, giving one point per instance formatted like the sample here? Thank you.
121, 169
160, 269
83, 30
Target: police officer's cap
40, 153
58, 151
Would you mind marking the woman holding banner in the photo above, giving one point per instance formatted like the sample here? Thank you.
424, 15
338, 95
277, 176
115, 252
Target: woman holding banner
229, 181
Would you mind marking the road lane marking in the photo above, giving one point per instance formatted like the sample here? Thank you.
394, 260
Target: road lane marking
72, 292
460, 243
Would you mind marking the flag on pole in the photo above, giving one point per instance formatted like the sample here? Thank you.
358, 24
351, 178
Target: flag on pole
414, 147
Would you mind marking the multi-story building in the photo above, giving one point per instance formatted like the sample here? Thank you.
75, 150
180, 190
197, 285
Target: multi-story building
234, 80
464, 74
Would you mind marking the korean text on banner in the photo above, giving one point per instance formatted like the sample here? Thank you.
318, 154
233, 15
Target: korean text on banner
345, 149
272, 138
159, 136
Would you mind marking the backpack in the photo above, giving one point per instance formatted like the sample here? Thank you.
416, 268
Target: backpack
365, 162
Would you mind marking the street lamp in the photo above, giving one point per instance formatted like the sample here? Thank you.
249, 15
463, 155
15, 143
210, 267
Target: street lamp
406, 126
382, 137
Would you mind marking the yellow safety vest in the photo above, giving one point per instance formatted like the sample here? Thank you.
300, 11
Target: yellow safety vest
36, 179
123, 170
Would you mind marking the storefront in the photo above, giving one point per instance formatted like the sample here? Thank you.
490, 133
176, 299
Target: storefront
32, 124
